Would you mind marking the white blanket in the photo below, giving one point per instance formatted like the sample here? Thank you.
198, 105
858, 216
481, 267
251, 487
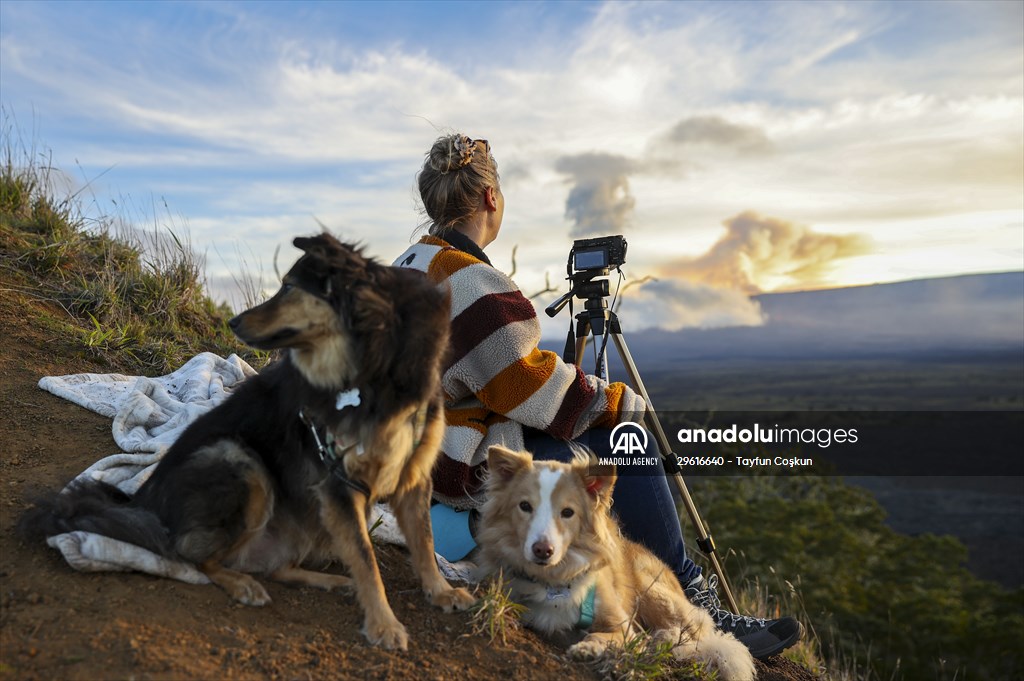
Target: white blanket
148, 415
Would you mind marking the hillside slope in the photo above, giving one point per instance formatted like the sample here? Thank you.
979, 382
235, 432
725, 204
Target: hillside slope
57, 623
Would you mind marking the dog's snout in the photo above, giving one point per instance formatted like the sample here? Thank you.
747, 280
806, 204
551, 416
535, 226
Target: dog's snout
234, 322
542, 550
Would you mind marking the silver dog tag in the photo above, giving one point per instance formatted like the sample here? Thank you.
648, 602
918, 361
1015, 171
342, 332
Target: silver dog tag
556, 593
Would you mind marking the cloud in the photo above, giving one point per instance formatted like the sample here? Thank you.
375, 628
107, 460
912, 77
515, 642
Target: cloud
600, 201
763, 253
717, 132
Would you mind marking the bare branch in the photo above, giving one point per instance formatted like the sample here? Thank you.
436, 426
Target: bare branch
637, 282
548, 288
512, 273
625, 287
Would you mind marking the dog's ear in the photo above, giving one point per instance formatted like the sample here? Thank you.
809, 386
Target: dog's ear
598, 479
504, 464
320, 242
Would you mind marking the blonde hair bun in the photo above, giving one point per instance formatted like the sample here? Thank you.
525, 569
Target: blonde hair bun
456, 173
451, 152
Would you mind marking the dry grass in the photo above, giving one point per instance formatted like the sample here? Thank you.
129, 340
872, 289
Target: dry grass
496, 615
134, 298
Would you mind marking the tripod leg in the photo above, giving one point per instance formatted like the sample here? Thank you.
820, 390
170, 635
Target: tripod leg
704, 540
582, 332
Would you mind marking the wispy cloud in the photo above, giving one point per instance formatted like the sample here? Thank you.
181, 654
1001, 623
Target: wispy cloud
717, 133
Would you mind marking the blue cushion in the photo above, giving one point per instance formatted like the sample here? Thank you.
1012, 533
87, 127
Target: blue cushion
451, 532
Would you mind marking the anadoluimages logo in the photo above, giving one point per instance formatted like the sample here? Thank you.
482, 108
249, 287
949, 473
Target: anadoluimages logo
628, 438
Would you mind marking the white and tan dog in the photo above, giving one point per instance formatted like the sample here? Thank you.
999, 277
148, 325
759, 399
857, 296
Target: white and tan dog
548, 527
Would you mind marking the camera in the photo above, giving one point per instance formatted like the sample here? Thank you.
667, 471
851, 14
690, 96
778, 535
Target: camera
601, 253
588, 260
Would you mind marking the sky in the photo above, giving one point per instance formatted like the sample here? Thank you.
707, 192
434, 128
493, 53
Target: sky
740, 148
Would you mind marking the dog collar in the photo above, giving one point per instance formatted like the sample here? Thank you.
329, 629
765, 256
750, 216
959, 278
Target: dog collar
553, 588
587, 608
329, 451
329, 455
557, 592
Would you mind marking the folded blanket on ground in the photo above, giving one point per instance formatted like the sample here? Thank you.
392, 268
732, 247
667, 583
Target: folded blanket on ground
148, 416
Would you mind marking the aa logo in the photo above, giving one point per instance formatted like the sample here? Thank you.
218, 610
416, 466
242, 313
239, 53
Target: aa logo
628, 438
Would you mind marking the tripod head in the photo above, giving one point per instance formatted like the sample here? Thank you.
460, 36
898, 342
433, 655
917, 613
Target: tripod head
583, 285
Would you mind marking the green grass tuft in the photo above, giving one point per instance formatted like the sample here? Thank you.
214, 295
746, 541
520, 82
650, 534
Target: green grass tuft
641, 659
496, 615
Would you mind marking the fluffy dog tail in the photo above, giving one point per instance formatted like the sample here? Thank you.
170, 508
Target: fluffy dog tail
97, 507
721, 651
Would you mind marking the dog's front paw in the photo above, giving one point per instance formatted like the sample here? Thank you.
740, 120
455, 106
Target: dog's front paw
588, 648
670, 635
452, 600
250, 592
386, 632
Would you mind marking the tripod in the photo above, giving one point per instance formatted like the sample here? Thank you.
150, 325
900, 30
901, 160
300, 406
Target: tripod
596, 318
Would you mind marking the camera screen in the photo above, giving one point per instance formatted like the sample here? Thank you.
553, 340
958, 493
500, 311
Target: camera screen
589, 260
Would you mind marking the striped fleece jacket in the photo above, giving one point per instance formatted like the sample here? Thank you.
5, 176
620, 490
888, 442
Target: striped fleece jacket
496, 380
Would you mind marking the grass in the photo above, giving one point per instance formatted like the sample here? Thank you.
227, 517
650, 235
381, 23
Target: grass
496, 615
818, 650
131, 298
642, 659
782, 598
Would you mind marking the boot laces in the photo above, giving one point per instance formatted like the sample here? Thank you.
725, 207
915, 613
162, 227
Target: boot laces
739, 625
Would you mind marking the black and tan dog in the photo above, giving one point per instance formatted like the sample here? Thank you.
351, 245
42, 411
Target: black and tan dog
284, 471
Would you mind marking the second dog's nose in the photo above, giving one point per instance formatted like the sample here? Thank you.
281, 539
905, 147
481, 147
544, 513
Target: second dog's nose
234, 322
543, 550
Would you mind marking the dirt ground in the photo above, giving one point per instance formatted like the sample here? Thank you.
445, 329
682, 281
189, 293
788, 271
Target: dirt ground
56, 623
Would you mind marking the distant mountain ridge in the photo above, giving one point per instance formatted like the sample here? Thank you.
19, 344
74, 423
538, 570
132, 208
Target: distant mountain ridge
978, 313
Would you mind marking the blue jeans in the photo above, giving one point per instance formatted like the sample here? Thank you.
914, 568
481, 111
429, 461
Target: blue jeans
642, 503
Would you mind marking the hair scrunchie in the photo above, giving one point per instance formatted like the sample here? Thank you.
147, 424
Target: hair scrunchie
461, 154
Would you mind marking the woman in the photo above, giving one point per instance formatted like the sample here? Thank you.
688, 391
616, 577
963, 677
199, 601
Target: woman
502, 389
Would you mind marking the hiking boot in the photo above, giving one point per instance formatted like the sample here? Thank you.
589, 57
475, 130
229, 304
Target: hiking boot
762, 637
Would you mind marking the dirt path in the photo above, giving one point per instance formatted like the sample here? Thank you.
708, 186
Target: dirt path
59, 624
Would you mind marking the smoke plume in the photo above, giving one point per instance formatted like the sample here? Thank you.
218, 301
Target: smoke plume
600, 201
759, 253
